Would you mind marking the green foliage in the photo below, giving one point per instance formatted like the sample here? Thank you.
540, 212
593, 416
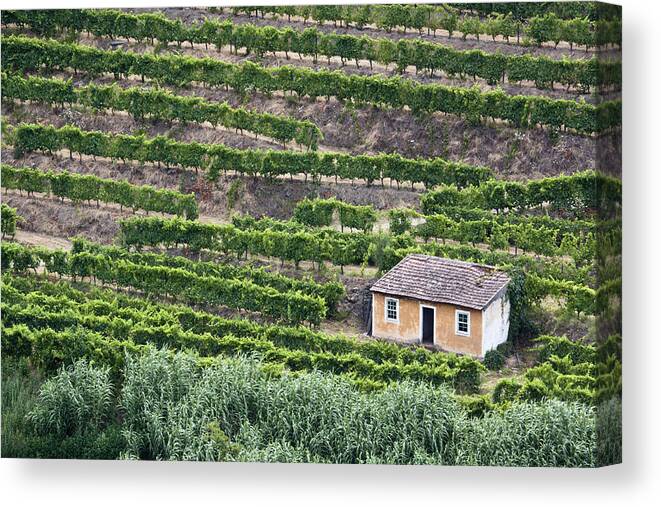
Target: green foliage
288, 241
609, 432
505, 348
233, 194
362, 218
541, 235
9, 218
162, 280
20, 391
78, 399
217, 158
542, 24
51, 311
22, 54
566, 370
79, 188
20, 385
561, 346
582, 192
299, 419
175, 408
315, 212
303, 412
400, 220
331, 292
476, 405
506, 390
160, 105
578, 298
494, 360
551, 433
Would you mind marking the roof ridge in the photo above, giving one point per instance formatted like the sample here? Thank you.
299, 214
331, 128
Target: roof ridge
454, 261
443, 280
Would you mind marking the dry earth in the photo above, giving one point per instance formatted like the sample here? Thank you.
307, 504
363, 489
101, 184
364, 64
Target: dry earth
511, 153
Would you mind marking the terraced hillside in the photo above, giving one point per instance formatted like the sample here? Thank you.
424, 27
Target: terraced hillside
197, 201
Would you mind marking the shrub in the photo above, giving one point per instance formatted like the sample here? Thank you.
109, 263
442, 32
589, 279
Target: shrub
476, 405
533, 390
506, 390
505, 348
494, 360
106, 444
562, 346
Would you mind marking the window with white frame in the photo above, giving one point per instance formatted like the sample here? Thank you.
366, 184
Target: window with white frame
463, 323
392, 310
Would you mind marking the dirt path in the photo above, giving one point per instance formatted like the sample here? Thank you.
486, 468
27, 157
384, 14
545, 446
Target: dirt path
37, 239
51, 219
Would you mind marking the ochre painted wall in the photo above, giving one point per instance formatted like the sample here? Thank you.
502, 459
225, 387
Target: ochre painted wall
446, 336
408, 328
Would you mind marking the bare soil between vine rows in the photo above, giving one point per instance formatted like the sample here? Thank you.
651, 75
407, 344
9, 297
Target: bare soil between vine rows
192, 14
514, 154
334, 63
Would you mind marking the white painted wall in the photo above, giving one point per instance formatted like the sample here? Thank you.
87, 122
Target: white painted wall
495, 323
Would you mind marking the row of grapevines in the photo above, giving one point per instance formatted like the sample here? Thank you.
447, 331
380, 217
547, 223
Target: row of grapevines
579, 298
8, 222
304, 245
81, 188
146, 330
423, 55
161, 105
290, 306
319, 213
569, 370
327, 245
540, 234
275, 238
330, 292
218, 158
547, 27
23, 54
104, 302
50, 348
564, 10
506, 22
401, 219
582, 192
557, 378
499, 236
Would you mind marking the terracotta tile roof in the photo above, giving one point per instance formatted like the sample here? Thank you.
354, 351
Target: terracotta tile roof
442, 280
